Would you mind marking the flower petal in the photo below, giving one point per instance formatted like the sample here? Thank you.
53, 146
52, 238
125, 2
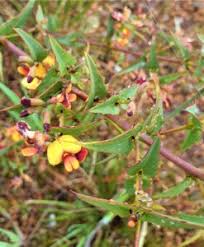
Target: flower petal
30, 85
29, 151
72, 97
39, 71
49, 61
81, 156
54, 153
69, 144
70, 163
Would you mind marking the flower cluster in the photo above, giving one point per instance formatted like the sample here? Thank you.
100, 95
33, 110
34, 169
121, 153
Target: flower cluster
33, 75
68, 150
66, 97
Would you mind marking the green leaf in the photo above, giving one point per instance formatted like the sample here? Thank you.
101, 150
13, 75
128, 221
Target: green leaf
64, 59
175, 190
71, 39
166, 79
150, 161
13, 237
115, 207
171, 221
74, 130
111, 106
194, 219
153, 63
194, 134
98, 89
18, 21
50, 78
9, 93
156, 118
51, 90
135, 66
40, 18
13, 98
176, 42
36, 50
121, 144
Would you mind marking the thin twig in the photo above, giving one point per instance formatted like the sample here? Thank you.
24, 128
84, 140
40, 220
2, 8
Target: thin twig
11, 47
186, 166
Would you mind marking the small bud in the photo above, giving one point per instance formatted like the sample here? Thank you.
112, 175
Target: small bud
36, 102
25, 59
26, 102
24, 113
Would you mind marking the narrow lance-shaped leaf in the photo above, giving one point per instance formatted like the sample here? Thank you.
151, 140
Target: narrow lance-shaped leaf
98, 89
177, 221
150, 162
118, 208
111, 106
64, 59
133, 67
194, 134
167, 79
18, 21
153, 63
36, 50
121, 144
175, 190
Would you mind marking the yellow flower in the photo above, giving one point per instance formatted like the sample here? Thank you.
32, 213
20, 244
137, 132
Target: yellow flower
36, 73
30, 84
38, 70
66, 148
49, 61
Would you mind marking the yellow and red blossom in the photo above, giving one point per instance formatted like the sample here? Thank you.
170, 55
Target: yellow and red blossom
68, 150
36, 73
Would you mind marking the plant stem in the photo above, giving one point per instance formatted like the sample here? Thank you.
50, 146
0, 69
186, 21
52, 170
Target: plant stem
138, 233
176, 129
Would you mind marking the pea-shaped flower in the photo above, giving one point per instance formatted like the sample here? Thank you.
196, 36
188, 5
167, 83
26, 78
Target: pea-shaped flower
68, 150
33, 75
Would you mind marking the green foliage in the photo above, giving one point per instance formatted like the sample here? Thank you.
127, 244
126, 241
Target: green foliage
150, 161
194, 133
112, 105
97, 89
121, 144
115, 207
64, 59
175, 190
153, 63
36, 50
14, 239
167, 79
18, 21
133, 67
